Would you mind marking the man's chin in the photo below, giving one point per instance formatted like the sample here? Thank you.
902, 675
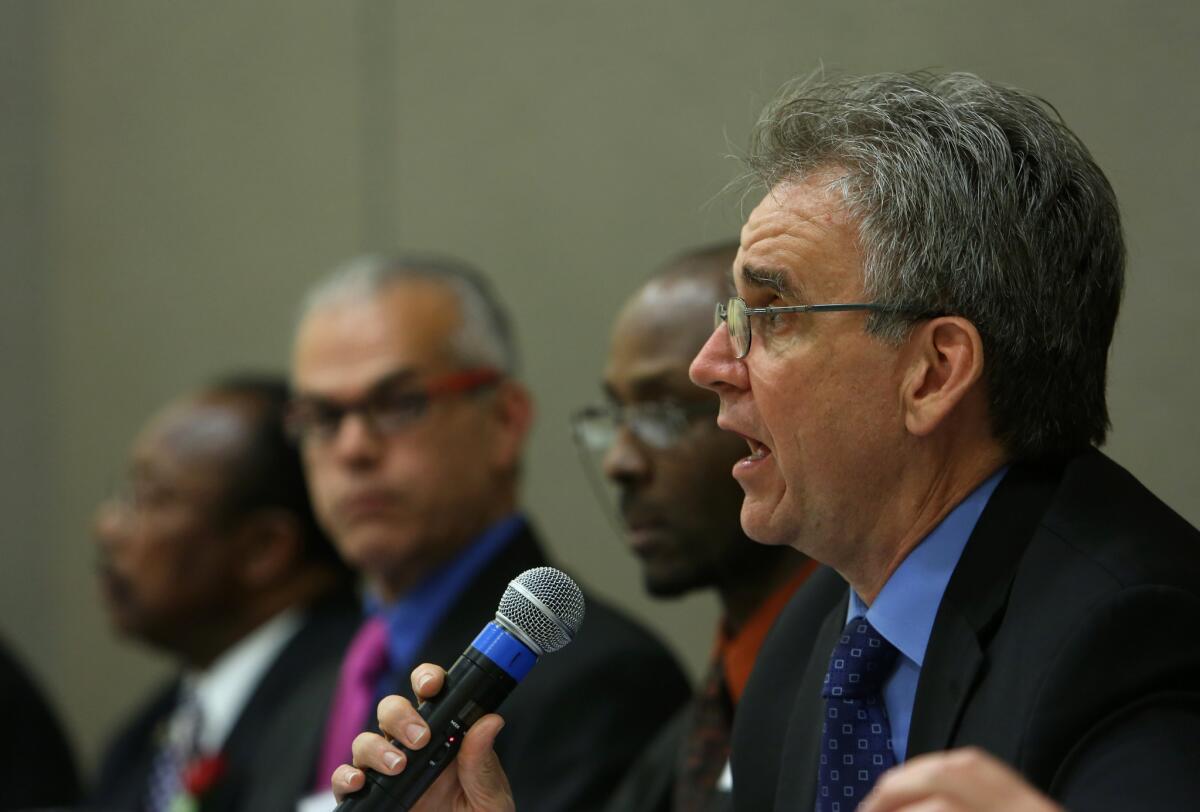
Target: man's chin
366, 546
670, 585
760, 525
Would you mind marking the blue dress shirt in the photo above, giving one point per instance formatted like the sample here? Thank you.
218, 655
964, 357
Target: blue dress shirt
413, 617
905, 608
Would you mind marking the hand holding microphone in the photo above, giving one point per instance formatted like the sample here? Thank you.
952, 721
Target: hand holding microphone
474, 781
540, 612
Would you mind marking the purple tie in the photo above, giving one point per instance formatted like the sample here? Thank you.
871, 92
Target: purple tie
365, 662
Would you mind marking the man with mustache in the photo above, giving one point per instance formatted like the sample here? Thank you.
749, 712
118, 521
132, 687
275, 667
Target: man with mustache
412, 425
212, 554
658, 444
916, 358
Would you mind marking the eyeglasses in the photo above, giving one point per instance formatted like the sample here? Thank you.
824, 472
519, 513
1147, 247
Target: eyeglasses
392, 406
658, 424
736, 316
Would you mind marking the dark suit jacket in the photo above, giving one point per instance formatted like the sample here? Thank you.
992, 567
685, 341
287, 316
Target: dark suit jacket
271, 750
649, 785
1066, 645
573, 726
37, 768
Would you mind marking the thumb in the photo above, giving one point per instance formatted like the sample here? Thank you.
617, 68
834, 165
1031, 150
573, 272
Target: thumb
483, 780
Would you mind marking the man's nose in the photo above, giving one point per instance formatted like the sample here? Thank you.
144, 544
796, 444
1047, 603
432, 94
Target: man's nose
626, 459
716, 367
110, 522
355, 440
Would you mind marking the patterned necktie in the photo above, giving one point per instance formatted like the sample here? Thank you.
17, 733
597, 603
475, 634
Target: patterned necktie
177, 747
856, 744
705, 749
351, 712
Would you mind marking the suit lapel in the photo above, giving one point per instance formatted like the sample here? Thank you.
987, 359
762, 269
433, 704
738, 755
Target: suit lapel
802, 748
974, 602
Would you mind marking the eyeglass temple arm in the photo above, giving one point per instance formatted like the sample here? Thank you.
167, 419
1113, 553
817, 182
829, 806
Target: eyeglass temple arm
756, 311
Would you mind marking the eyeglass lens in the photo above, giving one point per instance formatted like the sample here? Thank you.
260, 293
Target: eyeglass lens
733, 313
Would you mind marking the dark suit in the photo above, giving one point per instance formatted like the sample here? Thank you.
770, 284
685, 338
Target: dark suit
272, 747
649, 785
1065, 644
37, 768
573, 725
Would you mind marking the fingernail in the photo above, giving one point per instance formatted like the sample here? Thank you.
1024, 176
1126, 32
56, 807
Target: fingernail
350, 774
415, 734
392, 760
424, 680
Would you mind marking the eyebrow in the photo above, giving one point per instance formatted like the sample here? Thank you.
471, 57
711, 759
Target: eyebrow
396, 376
766, 278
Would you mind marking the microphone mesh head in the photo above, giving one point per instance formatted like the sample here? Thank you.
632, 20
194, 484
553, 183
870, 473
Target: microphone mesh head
545, 605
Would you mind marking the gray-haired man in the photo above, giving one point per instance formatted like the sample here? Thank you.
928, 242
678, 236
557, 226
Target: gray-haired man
927, 293
412, 425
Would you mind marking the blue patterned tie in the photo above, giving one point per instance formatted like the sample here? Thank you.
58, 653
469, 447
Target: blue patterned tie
856, 739
178, 746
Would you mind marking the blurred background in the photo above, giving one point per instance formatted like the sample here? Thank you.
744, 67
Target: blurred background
173, 176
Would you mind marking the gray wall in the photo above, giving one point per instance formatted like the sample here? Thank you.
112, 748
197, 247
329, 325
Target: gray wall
176, 173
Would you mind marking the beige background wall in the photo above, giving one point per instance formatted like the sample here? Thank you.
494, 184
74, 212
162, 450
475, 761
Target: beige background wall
174, 175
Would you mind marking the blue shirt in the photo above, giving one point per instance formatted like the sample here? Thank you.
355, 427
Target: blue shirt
905, 608
411, 619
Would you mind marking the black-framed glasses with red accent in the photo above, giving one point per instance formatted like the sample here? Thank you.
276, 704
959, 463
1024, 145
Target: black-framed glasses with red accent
392, 405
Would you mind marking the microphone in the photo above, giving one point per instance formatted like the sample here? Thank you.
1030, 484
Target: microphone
540, 612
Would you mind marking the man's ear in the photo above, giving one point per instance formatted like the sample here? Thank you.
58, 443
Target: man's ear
944, 359
514, 415
270, 543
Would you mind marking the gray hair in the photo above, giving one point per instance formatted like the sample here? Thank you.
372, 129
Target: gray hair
972, 199
485, 336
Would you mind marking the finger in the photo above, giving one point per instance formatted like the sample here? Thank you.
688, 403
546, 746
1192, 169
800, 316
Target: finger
907, 783
400, 720
479, 771
345, 780
934, 805
377, 753
967, 778
427, 680
475, 779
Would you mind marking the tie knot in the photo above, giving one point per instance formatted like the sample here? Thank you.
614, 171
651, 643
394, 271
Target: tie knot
861, 661
366, 659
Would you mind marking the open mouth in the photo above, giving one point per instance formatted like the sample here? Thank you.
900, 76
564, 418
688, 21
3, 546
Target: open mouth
757, 451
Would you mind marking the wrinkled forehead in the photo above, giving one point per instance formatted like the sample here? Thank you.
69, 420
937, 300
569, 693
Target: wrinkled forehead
799, 240
346, 347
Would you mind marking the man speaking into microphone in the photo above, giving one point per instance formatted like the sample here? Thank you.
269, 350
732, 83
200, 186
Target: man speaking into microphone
916, 357
411, 425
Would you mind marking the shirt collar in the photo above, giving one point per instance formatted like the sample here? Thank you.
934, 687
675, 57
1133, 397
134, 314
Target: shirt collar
415, 613
907, 605
223, 689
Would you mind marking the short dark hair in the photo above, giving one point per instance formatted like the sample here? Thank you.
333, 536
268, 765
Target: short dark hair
268, 471
972, 199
